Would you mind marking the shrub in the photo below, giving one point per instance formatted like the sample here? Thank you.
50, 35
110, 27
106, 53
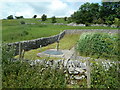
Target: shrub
19, 17
54, 19
16, 74
65, 18
44, 17
104, 78
87, 24
117, 22
100, 44
22, 22
35, 16
10, 17
24, 33
69, 20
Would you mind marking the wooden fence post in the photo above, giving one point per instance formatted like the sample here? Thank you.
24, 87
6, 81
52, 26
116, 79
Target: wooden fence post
88, 74
20, 50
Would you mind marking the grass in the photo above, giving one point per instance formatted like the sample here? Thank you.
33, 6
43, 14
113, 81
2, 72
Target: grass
13, 31
102, 45
67, 42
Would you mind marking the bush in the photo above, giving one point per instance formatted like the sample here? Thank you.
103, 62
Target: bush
54, 19
44, 17
19, 17
98, 44
87, 24
10, 17
22, 22
69, 20
117, 22
16, 74
104, 78
65, 18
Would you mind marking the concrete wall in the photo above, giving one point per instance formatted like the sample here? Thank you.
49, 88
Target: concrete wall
34, 44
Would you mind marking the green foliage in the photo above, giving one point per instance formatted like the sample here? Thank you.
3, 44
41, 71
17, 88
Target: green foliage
91, 12
44, 17
54, 19
100, 21
117, 22
87, 24
7, 54
100, 44
69, 20
16, 74
104, 78
10, 17
65, 18
22, 22
19, 17
86, 13
34, 16
22, 75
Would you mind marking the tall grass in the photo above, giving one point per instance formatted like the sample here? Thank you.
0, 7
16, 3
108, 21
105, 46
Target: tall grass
16, 74
99, 44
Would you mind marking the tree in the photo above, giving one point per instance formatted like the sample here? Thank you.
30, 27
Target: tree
34, 16
117, 22
44, 17
54, 19
100, 21
65, 18
19, 17
86, 13
69, 20
109, 11
10, 17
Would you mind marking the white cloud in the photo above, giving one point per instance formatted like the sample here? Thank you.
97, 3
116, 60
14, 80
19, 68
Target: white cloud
58, 8
28, 8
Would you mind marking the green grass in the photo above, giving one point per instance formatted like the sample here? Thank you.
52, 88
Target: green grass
99, 45
13, 31
65, 43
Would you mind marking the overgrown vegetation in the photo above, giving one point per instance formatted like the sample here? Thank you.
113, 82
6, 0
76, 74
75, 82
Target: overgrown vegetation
105, 76
17, 74
99, 45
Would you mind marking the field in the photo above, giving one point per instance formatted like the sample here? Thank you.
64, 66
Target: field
13, 31
17, 74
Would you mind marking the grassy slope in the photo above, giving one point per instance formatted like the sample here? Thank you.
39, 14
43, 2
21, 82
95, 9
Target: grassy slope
13, 31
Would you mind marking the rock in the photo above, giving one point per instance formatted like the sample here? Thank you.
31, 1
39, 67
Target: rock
79, 77
85, 73
75, 72
71, 70
80, 70
73, 82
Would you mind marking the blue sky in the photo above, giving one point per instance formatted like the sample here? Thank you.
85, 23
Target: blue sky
28, 8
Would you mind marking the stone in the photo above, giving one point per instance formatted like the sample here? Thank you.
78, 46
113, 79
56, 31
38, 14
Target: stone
75, 72
79, 77
71, 70
80, 70
73, 82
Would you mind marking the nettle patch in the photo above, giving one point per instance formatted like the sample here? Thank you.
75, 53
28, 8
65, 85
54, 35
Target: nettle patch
98, 44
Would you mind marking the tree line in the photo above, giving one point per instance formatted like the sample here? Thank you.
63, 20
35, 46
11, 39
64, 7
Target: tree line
90, 13
43, 18
106, 13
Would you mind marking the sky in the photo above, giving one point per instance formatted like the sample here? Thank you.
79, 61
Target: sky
29, 8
